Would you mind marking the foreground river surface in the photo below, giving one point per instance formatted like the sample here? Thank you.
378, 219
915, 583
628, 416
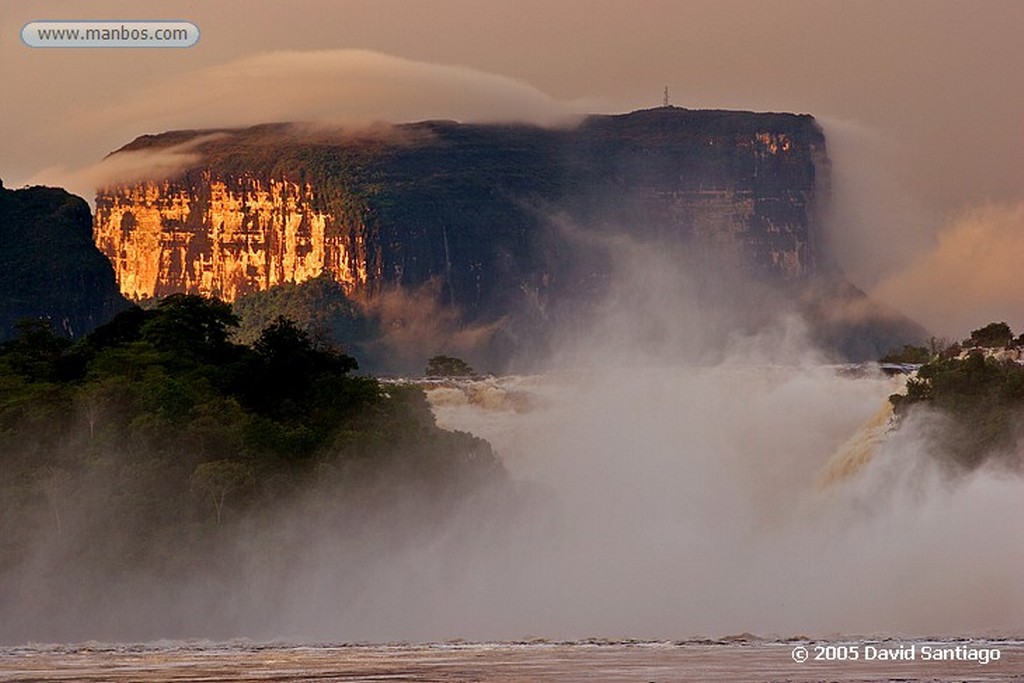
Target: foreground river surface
741, 659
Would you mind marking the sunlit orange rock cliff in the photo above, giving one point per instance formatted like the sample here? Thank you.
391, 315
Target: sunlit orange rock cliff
468, 203
225, 237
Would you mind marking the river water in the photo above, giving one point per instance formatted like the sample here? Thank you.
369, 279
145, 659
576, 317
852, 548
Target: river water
737, 659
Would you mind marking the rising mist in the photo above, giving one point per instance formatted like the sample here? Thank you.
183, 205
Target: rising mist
662, 483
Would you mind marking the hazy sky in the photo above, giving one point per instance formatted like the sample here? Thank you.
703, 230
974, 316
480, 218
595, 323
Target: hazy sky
923, 101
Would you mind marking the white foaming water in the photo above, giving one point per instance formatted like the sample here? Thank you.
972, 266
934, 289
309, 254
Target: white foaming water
686, 504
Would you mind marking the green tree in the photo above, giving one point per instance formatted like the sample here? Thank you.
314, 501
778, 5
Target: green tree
448, 366
908, 354
36, 351
993, 335
190, 324
287, 371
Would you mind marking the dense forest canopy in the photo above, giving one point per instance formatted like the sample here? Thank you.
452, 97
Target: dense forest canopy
161, 432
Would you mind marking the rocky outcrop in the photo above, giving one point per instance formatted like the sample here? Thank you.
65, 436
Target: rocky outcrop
49, 267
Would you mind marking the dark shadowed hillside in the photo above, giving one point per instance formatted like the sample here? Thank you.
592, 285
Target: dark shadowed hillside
49, 267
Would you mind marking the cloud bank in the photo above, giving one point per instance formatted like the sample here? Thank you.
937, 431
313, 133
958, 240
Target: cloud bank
970, 277
336, 86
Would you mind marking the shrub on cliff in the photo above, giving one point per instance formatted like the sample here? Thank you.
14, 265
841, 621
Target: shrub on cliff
993, 335
982, 397
914, 355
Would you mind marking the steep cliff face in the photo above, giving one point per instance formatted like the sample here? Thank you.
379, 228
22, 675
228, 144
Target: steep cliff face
49, 267
224, 237
444, 232
481, 208
750, 186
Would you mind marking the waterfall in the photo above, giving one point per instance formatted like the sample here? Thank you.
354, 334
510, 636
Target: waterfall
857, 451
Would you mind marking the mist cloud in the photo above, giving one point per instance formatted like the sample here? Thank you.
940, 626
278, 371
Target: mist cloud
682, 458
663, 488
875, 225
125, 168
971, 277
338, 86
416, 323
